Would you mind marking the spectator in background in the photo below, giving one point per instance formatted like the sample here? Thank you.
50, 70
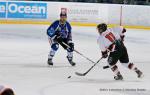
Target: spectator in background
118, 1
134, 2
6, 90
140, 2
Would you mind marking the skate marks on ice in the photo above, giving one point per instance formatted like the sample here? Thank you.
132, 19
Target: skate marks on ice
50, 87
82, 79
67, 84
123, 87
33, 65
84, 82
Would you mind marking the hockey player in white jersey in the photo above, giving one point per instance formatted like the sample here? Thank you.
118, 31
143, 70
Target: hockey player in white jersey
111, 44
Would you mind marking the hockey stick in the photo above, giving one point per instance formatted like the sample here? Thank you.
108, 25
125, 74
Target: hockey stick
83, 74
79, 53
104, 67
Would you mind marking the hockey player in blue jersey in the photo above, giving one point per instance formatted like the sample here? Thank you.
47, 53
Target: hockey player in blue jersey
59, 33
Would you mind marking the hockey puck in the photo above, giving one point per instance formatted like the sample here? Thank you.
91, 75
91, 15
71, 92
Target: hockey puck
69, 77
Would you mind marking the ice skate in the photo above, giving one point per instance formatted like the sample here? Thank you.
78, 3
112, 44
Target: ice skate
118, 77
50, 62
139, 74
70, 61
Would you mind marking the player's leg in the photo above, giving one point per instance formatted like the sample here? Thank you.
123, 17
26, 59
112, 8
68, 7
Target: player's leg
54, 48
112, 60
69, 51
70, 57
124, 59
117, 73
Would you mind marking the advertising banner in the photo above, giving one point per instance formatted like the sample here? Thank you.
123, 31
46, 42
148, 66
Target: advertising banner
23, 10
2, 9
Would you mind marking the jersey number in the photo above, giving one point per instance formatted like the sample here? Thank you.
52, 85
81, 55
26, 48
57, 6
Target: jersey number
110, 37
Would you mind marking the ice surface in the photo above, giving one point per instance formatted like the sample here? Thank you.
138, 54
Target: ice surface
23, 57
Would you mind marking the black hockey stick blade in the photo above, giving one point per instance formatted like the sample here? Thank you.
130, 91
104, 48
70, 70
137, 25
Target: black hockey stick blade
105, 67
80, 74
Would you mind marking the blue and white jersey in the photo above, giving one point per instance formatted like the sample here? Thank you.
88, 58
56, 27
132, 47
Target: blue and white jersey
64, 30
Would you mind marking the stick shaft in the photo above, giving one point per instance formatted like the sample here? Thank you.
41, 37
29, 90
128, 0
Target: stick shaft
79, 53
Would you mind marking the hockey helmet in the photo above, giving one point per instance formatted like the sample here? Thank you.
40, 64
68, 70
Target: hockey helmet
63, 14
63, 17
102, 27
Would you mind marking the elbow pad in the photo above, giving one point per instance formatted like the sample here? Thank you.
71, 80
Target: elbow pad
50, 32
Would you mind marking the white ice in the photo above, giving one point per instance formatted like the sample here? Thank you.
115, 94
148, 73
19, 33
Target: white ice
23, 56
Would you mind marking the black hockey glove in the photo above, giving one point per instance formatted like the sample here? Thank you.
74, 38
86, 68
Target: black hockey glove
122, 37
58, 39
64, 43
71, 46
124, 30
104, 54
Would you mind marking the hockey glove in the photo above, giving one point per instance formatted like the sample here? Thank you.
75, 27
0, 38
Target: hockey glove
124, 30
104, 54
122, 37
58, 39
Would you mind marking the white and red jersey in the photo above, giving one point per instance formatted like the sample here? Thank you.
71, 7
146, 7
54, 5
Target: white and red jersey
107, 38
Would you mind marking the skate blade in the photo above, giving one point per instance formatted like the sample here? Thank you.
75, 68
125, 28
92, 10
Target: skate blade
141, 76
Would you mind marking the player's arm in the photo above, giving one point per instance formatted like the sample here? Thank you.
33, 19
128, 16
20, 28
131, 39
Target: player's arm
102, 47
51, 31
119, 31
122, 34
69, 37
